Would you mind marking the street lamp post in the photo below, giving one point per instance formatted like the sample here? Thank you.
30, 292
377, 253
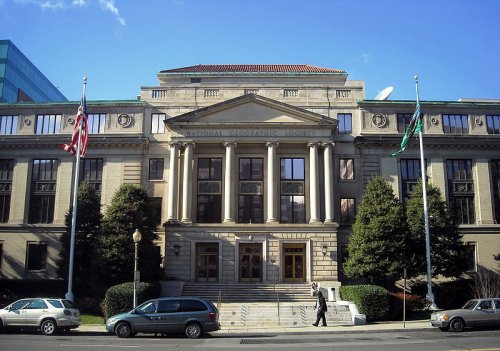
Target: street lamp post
136, 237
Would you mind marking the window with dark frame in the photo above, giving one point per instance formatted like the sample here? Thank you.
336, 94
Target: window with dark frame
251, 190
347, 211
91, 172
43, 191
96, 122
410, 175
36, 255
471, 257
48, 124
6, 173
8, 125
493, 124
209, 199
495, 181
155, 203
456, 124
292, 194
155, 169
404, 120
346, 168
157, 123
461, 190
345, 123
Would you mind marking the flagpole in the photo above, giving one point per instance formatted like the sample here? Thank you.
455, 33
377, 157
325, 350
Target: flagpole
69, 295
430, 295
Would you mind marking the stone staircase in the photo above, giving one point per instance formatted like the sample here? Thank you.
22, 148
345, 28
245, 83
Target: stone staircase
264, 314
256, 305
241, 292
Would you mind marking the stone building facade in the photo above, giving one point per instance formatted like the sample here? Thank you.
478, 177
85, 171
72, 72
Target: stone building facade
256, 170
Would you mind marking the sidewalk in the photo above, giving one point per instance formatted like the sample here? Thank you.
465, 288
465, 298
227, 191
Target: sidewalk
368, 328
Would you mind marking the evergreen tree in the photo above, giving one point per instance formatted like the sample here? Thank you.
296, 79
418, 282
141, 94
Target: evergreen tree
87, 230
447, 248
376, 245
130, 209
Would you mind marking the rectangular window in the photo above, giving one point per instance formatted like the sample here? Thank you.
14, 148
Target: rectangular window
347, 211
91, 172
455, 124
404, 120
155, 169
495, 181
48, 124
493, 124
251, 190
471, 257
36, 255
96, 122
43, 191
209, 201
410, 175
346, 169
345, 123
461, 190
157, 123
156, 206
8, 125
292, 199
6, 173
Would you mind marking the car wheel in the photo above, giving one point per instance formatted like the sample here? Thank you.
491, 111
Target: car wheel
48, 327
123, 330
193, 330
457, 325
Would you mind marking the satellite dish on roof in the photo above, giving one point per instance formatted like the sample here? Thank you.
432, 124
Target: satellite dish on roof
384, 94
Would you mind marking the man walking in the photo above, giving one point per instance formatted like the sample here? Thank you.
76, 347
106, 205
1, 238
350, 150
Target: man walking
321, 309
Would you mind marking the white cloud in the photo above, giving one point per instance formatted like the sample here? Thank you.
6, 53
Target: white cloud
107, 5
110, 6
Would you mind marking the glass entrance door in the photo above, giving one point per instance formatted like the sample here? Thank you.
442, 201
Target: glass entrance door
294, 259
207, 262
250, 262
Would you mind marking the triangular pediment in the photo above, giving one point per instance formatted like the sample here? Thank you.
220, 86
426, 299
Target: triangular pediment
250, 109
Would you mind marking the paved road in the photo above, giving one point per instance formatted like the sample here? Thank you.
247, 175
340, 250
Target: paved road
428, 340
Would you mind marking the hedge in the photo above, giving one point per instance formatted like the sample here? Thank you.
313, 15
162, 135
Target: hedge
119, 298
373, 301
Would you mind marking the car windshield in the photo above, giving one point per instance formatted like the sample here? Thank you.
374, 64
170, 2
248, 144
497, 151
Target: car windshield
469, 305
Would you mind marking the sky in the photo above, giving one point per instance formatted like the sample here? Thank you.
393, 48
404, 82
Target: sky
120, 45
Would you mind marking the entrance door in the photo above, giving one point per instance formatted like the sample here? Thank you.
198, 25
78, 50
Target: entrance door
207, 262
294, 259
251, 262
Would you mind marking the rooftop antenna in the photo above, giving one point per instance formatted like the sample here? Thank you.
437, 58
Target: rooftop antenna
384, 94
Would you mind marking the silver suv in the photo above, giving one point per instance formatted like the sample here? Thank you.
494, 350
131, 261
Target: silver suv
190, 315
47, 314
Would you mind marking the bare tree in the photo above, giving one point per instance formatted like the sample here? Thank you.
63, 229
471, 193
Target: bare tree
486, 284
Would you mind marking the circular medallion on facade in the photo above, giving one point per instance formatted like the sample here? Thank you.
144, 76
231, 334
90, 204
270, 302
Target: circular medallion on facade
27, 122
379, 120
434, 121
479, 122
125, 120
71, 121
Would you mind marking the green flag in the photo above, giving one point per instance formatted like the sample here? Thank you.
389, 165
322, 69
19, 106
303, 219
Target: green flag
415, 126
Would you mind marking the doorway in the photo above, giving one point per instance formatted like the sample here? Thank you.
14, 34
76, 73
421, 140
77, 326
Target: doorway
250, 262
294, 261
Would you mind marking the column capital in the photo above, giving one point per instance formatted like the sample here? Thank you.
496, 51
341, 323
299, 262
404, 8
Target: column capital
229, 143
312, 144
326, 144
272, 143
174, 143
185, 144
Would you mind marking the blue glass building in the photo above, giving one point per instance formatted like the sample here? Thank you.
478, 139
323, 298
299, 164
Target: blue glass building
21, 81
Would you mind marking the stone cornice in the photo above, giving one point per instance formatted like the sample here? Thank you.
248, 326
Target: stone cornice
432, 141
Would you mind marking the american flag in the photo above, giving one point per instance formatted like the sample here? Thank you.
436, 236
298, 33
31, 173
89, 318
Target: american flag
80, 119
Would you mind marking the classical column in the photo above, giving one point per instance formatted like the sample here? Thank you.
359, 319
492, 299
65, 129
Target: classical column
327, 154
173, 182
313, 182
187, 184
271, 182
228, 182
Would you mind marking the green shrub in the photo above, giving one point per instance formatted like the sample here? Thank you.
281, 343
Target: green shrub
371, 300
119, 298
